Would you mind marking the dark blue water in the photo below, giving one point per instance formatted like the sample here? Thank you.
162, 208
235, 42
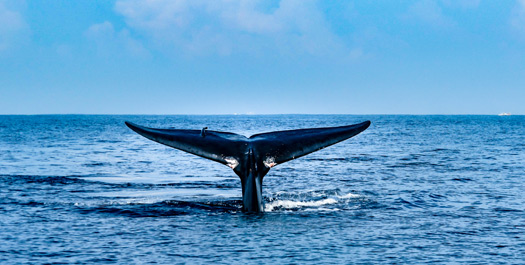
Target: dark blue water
410, 189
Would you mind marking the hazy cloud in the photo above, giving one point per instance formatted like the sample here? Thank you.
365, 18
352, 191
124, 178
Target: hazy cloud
518, 16
108, 40
461, 3
429, 12
229, 26
13, 28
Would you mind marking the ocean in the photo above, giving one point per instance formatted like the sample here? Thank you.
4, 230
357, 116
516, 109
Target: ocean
86, 189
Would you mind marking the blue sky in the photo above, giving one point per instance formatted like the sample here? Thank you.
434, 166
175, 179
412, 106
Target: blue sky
262, 57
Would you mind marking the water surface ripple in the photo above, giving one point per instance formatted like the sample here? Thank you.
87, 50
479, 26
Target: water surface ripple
410, 189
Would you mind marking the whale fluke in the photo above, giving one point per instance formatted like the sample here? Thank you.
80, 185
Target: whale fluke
216, 146
284, 146
251, 158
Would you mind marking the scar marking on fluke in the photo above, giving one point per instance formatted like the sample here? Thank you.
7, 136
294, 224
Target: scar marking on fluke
251, 157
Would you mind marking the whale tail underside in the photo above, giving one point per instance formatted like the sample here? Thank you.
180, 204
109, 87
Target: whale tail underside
284, 146
229, 148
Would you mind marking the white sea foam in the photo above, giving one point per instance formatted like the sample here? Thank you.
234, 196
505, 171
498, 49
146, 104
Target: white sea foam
349, 196
288, 204
316, 205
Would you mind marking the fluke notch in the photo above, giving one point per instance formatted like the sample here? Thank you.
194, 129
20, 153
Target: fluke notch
251, 158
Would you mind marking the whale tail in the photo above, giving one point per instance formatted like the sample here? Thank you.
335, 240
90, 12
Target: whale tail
251, 158
220, 147
271, 148
283, 146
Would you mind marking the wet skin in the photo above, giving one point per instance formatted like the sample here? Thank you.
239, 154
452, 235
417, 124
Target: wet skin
251, 157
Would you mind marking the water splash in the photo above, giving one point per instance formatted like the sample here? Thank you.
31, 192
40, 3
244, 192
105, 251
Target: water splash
311, 201
287, 204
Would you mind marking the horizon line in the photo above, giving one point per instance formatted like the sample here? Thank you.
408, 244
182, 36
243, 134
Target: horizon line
254, 114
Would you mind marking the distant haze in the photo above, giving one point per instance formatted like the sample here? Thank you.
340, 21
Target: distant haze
262, 57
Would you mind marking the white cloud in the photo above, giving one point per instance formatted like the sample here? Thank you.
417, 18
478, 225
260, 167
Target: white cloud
518, 16
461, 3
108, 40
230, 26
13, 28
429, 12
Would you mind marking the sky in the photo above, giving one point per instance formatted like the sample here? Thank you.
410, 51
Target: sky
262, 57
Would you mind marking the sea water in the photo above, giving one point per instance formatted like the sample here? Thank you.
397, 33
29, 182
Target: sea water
410, 189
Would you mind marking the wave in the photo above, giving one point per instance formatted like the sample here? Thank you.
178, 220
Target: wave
163, 208
64, 180
79, 193
323, 200
287, 204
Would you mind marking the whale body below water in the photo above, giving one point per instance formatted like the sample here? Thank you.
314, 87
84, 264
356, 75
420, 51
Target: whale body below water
251, 157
